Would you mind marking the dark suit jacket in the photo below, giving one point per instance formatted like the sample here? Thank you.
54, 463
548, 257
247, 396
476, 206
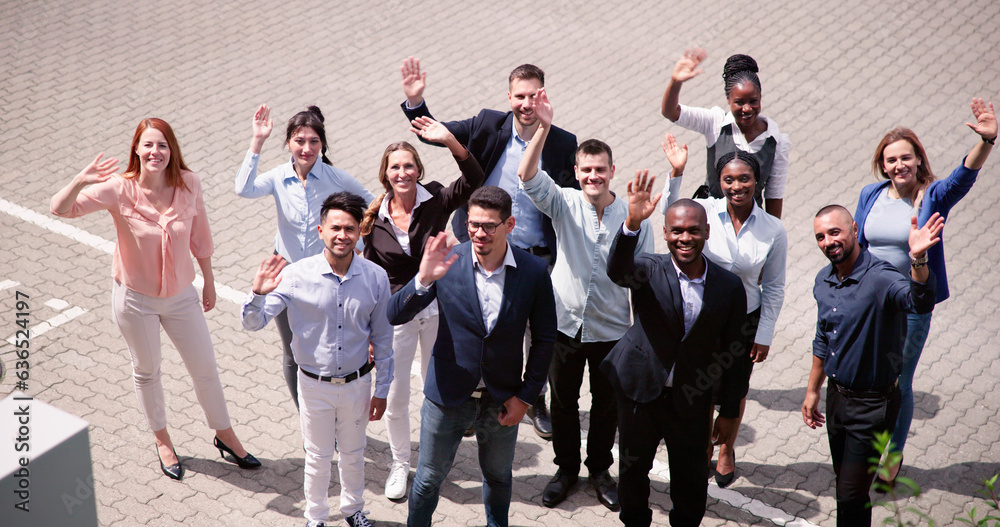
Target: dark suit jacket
486, 135
713, 351
430, 218
464, 352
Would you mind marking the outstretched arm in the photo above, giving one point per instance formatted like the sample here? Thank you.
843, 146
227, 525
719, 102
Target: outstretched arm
685, 69
529, 161
97, 171
986, 127
432, 131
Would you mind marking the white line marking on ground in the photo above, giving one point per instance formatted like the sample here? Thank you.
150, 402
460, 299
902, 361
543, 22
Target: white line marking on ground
57, 304
60, 227
7, 284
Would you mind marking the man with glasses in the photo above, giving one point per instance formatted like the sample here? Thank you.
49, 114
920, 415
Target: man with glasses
488, 292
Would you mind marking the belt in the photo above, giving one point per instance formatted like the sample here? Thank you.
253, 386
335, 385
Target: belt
479, 393
341, 380
539, 250
847, 392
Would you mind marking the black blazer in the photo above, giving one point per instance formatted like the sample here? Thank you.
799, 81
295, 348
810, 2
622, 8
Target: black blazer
464, 352
430, 218
712, 352
486, 135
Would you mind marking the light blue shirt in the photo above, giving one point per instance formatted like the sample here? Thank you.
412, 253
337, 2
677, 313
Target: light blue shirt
527, 231
586, 299
298, 206
332, 318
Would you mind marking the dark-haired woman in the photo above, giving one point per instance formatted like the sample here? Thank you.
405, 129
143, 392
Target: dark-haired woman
883, 217
750, 244
299, 188
741, 128
160, 221
396, 227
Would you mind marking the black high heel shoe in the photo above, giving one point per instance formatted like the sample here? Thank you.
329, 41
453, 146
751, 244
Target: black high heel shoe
247, 461
175, 471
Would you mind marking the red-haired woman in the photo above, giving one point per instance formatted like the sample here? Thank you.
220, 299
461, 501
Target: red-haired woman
396, 227
883, 218
160, 220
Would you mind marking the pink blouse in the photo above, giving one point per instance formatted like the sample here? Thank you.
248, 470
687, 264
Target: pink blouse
151, 256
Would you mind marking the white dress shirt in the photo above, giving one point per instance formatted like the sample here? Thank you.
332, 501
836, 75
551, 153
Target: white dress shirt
403, 237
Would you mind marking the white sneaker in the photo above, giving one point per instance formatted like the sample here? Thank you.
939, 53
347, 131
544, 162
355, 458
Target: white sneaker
395, 484
358, 520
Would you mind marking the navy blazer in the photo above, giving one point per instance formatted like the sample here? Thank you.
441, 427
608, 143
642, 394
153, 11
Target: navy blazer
486, 135
464, 351
712, 352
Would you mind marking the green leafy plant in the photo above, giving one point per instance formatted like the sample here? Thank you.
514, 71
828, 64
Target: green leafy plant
991, 501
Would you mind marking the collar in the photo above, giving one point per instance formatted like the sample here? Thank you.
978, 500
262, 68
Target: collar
516, 138
720, 206
730, 119
290, 173
422, 196
352, 270
861, 266
508, 261
681, 274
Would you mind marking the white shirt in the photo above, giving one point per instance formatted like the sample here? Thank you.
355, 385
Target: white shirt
756, 254
709, 122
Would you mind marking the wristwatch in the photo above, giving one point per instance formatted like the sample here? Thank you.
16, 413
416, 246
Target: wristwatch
917, 263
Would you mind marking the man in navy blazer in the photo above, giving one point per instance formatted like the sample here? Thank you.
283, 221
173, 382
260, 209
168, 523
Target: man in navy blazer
686, 339
487, 293
497, 140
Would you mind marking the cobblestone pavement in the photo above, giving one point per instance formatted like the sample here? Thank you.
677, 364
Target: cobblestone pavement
77, 77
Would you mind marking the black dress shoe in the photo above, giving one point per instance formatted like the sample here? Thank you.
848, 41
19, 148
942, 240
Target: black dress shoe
540, 419
558, 488
723, 480
175, 471
247, 461
607, 490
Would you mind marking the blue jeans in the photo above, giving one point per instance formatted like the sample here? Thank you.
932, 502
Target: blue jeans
441, 432
917, 327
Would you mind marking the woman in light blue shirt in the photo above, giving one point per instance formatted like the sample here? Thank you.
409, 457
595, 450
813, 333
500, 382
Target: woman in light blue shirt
299, 188
748, 242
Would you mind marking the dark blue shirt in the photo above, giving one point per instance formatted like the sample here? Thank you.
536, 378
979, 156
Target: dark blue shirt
861, 322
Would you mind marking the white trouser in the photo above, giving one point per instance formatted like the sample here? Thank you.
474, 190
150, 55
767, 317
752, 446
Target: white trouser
139, 318
404, 348
334, 417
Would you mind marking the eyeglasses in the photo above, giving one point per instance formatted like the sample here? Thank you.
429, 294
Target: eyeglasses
488, 227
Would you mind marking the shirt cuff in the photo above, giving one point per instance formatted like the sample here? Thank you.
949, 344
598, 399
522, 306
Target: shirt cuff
420, 288
627, 232
408, 107
256, 300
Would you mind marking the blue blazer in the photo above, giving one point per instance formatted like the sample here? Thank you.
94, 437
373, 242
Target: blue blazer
464, 351
486, 135
712, 352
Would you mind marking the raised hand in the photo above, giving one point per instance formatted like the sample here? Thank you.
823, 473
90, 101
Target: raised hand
543, 109
262, 124
925, 237
434, 264
267, 279
640, 206
676, 154
414, 81
97, 171
986, 119
431, 130
687, 66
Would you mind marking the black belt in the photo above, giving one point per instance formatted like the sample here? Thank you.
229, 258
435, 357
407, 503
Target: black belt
341, 380
865, 394
539, 250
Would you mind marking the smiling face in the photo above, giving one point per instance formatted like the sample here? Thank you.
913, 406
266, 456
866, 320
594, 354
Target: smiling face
685, 229
899, 163
522, 95
594, 173
153, 151
744, 102
483, 242
402, 172
836, 235
340, 233
738, 184
306, 147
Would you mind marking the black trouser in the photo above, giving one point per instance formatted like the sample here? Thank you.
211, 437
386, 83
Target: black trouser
641, 427
289, 366
565, 378
852, 421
